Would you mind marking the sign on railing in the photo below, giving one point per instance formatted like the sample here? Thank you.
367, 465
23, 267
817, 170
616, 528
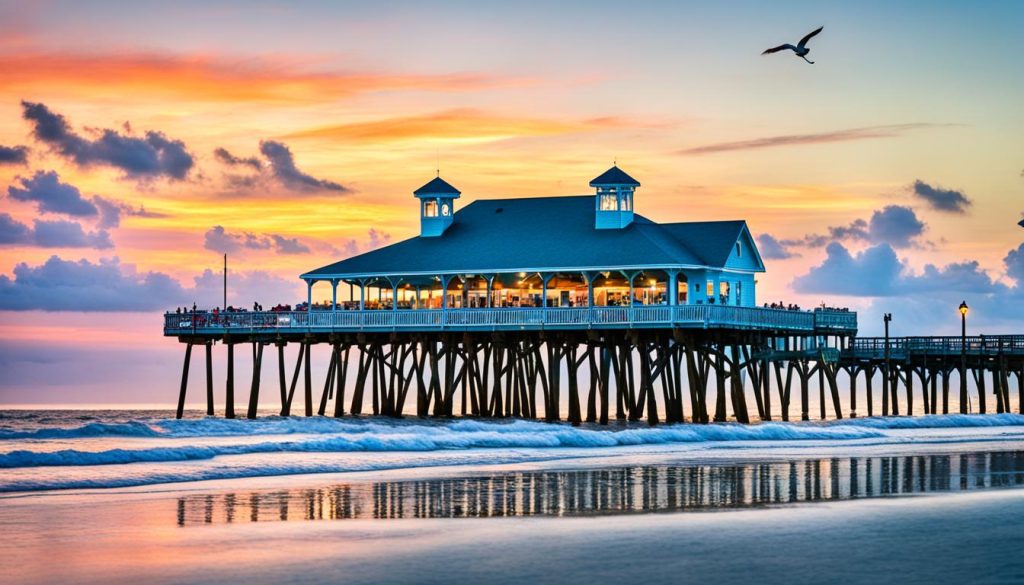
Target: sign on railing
514, 318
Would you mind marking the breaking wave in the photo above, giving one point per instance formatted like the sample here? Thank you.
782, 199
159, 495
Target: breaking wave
457, 435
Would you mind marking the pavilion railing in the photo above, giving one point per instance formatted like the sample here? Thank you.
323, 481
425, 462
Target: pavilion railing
693, 316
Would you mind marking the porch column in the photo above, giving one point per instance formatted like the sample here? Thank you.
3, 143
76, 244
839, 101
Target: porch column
673, 288
631, 278
362, 295
543, 291
417, 304
394, 293
309, 295
590, 288
490, 290
444, 292
334, 295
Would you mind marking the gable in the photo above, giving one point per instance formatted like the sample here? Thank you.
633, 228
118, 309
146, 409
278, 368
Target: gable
744, 254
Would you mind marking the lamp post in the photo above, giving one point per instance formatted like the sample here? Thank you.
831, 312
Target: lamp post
963, 356
886, 379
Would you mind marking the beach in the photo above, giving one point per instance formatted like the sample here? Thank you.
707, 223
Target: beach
121, 497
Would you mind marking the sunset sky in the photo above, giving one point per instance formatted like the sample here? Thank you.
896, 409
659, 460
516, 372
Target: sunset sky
139, 141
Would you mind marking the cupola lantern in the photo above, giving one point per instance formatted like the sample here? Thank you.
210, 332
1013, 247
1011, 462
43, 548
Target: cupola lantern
437, 206
613, 203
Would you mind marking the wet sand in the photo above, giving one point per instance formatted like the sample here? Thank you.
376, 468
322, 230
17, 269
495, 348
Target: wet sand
944, 518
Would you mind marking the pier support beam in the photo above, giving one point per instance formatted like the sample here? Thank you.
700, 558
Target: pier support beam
184, 381
229, 391
209, 378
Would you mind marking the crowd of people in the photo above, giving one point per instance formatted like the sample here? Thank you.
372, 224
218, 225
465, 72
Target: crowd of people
795, 307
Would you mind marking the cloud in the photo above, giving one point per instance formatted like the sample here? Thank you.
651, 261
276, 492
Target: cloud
1014, 263
154, 156
282, 167
773, 249
924, 301
51, 195
62, 285
374, 239
13, 155
51, 234
872, 272
941, 199
878, 272
244, 288
285, 245
267, 79
61, 233
847, 135
108, 285
13, 232
220, 240
895, 225
463, 124
225, 157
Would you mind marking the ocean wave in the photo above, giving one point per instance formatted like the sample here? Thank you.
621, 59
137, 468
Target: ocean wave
934, 421
277, 425
461, 435
89, 430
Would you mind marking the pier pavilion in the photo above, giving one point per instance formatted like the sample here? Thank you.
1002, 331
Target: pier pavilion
493, 309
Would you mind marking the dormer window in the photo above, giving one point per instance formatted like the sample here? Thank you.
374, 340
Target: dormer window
430, 208
739, 250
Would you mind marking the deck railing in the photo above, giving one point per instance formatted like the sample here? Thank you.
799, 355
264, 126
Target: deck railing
688, 316
947, 345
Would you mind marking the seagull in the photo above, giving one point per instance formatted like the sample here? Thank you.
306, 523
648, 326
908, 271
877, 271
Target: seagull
800, 49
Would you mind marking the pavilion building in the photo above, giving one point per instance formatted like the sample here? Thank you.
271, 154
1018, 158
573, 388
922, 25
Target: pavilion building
549, 252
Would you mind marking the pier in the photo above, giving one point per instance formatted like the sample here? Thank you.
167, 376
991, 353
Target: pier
578, 308
660, 364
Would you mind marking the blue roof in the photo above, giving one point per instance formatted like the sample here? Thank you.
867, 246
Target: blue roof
614, 176
436, 186
544, 233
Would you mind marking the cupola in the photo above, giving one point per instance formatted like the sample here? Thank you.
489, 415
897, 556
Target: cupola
613, 203
437, 206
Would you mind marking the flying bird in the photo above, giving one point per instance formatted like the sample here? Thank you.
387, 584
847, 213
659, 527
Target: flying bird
800, 49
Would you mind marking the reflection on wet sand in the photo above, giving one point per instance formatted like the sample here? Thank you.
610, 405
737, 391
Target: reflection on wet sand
618, 490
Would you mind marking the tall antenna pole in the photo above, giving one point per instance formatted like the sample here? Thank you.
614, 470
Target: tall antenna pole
225, 305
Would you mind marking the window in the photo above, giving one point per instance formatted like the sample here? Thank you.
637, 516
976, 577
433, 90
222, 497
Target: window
739, 293
723, 289
430, 208
739, 250
627, 202
711, 289
609, 202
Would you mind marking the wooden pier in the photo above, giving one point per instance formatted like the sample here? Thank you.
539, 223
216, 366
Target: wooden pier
695, 363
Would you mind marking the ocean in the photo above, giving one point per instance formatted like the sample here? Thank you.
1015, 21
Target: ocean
123, 496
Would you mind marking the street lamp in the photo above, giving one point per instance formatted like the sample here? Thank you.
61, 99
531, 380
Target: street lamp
963, 356
886, 378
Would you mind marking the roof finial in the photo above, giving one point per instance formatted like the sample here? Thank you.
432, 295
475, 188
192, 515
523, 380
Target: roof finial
438, 152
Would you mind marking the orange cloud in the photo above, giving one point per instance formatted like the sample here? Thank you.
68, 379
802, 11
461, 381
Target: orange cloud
457, 125
205, 78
